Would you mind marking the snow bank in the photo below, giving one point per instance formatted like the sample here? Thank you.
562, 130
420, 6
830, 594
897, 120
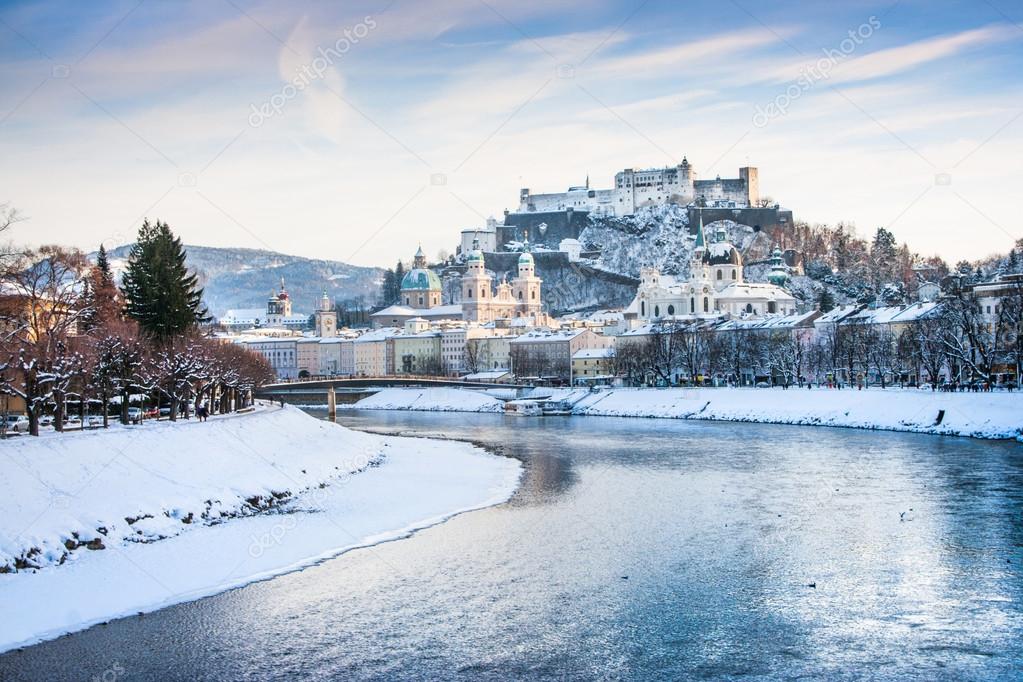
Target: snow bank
293, 490
978, 415
430, 399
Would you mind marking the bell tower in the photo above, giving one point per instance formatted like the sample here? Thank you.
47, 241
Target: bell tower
326, 318
526, 288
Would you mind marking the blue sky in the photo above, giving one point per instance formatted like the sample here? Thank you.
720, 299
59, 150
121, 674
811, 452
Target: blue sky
428, 116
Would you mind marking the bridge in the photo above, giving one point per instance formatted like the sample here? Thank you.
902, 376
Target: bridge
354, 388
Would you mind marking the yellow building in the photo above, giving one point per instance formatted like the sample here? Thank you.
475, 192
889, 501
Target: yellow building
590, 365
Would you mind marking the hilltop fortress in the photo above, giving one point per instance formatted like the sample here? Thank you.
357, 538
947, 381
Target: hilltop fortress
634, 189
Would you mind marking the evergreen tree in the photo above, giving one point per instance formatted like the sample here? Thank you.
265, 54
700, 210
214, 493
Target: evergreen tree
100, 297
825, 301
387, 288
159, 291
399, 274
1012, 263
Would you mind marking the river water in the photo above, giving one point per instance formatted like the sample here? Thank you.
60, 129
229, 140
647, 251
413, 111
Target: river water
635, 549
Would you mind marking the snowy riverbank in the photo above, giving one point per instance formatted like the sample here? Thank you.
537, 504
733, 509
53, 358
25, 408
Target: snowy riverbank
978, 415
102, 524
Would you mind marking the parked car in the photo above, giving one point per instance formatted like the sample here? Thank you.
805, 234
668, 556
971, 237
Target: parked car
17, 423
72, 420
164, 411
134, 415
46, 420
152, 413
94, 421
763, 384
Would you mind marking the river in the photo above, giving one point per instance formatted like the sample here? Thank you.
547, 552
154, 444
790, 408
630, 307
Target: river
635, 549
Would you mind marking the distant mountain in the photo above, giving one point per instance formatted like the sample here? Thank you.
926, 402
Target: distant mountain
243, 278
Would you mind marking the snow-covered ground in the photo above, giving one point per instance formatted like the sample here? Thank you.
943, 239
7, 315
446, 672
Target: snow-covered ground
979, 415
103, 524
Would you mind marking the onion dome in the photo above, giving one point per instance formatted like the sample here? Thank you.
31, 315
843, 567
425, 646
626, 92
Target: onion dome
779, 274
526, 259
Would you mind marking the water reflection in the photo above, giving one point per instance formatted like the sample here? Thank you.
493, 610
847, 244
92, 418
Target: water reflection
637, 549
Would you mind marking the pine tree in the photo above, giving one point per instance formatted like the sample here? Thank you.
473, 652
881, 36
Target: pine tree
399, 275
159, 291
387, 288
100, 297
825, 301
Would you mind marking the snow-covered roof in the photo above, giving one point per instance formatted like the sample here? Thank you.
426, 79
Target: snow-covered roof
378, 334
593, 353
451, 310
487, 376
543, 336
894, 314
836, 314
769, 322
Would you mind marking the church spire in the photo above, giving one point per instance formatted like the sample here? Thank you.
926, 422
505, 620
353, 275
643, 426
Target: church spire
701, 241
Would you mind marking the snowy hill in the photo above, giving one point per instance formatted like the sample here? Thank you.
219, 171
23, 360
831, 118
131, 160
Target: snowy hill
243, 278
659, 236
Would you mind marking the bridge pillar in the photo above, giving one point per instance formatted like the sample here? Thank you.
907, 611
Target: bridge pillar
331, 404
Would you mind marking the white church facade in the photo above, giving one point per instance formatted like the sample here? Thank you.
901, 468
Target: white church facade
715, 287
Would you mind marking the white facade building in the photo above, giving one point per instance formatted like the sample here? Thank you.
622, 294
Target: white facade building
634, 189
715, 288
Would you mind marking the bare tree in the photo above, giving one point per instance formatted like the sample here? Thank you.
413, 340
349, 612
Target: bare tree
970, 341
39, 315
471, 356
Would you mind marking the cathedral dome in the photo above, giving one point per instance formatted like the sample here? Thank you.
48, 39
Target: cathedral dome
526, 259
475, 256
421, 279
723, 253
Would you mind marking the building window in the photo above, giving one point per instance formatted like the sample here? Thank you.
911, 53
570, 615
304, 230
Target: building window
749, 307
671, 310
469, 291
692, 305
733, 274
706, 305
657, 311
719, 274
642, 308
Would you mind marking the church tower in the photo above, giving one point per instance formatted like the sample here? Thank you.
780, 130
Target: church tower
476, 291
326, 318
698, 270
526, 288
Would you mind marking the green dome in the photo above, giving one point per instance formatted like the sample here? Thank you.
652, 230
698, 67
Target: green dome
475, 256
526, 259
778, 277
421, 279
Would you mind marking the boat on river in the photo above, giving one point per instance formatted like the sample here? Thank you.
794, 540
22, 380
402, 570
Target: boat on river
523, 408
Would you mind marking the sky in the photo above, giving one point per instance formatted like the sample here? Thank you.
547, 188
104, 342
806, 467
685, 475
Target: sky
356, 131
